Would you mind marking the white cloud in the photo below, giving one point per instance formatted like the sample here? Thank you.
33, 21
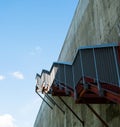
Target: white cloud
2, 77
7, 121
18, 75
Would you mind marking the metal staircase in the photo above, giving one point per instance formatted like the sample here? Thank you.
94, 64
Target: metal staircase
92, 77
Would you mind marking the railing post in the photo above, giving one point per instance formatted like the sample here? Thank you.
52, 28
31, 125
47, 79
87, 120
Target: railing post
116, 65
73, 75
83, 76
96, 72
65, 78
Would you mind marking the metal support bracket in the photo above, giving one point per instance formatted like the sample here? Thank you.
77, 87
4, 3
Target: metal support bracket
54, 103
97, 115
44, 100
71, 110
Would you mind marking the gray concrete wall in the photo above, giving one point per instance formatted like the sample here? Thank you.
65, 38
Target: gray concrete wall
94, 22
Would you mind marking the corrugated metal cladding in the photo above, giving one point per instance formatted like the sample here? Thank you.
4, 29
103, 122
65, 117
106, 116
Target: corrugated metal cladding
63, 74
59, 76
77, 70
106, 65
88, 63
69, 76
100, 63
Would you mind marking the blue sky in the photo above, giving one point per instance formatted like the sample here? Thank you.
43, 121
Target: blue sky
32, 33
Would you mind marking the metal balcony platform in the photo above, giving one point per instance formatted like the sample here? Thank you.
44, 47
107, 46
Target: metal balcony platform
92, 77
